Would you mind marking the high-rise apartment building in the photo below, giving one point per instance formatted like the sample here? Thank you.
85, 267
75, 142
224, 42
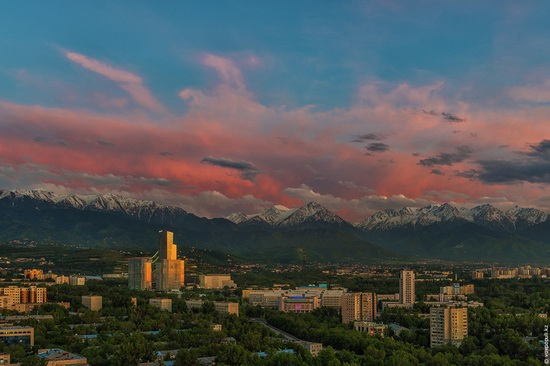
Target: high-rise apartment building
140, 273
169, 271
448, 325
358, 306
406, 288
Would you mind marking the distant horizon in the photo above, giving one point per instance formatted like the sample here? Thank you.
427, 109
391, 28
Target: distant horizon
252, 214
221, 108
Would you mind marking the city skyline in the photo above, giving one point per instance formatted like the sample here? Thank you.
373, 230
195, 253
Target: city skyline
220, 108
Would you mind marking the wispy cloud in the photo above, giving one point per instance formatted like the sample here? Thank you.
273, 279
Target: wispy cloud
128, 81
462, 153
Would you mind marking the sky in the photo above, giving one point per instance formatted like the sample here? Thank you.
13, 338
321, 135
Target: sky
221, 107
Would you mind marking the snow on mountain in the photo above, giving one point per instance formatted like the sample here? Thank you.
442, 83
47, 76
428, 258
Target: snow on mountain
387, 219
531, 216
312, 212
491, 217
237, 217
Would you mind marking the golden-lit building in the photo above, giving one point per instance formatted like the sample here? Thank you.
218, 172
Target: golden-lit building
169, 271
299, 304
93, 302
448, 325
140, 273
407, 295
371, 328
33, 274
359, 306
13, 295
476, 275
216, 281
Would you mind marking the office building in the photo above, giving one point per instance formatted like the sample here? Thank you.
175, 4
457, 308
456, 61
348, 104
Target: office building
169, 270
140, 273
94, 303
406, 288
162, 304
359, 306
220, 306
299, 304
216, 281
448, 325
17, 335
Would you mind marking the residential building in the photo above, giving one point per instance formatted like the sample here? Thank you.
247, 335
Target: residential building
17, 335
406, 288
60, 280
358, 306
312, 347
13, 295
5, 358
476, 275
94, 303
448, 325
162, 304
140, 273
216, 281
77, 280
169, 271
33, 274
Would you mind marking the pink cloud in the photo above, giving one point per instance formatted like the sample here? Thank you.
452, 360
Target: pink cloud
130, 82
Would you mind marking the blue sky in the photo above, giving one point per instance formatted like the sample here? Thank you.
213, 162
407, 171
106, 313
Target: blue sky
318, 72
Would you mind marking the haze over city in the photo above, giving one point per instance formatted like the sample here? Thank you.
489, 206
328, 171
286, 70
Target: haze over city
219, 108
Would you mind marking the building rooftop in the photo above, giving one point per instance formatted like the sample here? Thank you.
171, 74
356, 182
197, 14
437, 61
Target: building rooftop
56, 354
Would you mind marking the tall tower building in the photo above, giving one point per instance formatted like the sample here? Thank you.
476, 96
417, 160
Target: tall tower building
169, 271
448, 325
406, 287
358, 306
140, 273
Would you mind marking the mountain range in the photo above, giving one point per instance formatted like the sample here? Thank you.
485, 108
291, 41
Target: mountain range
281, 234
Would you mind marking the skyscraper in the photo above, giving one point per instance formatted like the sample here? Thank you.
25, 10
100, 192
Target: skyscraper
448, 325
169, 271
358, 306
406, 287
140, 273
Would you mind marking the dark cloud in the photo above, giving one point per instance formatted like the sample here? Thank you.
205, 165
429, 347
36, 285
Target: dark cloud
430, 113
473, 134
368, 137
415, 154
165, 153
247, 169
437, 172
452, 118
533, 167
377, 147
470, 174
283, 140
39, 138
462, 153
105, 143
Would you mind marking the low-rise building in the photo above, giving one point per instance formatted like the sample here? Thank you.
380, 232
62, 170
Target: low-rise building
163, 304
216, 281
94, 303
371, 328
59, 357
312, 347
17, 335
5, 358
299, 304
230, 308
